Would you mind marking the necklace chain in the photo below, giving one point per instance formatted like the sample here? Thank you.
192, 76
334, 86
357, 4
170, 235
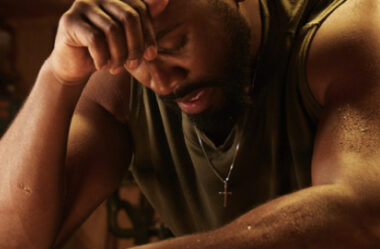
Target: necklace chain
225, 180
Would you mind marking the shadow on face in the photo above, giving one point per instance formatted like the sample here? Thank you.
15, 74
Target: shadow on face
202, 44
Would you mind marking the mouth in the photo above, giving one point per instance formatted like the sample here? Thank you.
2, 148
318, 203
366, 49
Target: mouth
193, 96
195, 102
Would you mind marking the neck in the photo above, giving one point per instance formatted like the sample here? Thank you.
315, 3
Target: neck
219, 136
215, 125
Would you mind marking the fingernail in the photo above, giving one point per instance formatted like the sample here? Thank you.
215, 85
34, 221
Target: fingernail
132, 64
150, 53
116, 70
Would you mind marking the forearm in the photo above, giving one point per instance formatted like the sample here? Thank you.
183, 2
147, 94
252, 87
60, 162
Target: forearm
318, 217
32, 156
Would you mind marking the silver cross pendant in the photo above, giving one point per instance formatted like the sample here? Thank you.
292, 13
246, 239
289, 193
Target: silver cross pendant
225, 193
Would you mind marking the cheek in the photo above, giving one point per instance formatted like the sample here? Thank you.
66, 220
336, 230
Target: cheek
217, 98
141, 74
208, 52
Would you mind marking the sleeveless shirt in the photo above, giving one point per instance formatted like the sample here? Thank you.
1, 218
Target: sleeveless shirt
275, 147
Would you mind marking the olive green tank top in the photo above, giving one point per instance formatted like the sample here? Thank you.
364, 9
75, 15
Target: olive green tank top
276, 146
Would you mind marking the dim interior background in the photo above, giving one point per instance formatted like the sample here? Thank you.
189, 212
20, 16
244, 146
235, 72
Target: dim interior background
27, 30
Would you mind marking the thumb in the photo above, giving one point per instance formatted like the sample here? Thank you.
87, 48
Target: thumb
156, 7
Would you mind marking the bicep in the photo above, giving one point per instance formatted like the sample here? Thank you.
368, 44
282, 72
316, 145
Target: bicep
344, 74
345, 69
347, 145
347, 155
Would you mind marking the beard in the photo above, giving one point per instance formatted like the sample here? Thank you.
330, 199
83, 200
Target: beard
234, 78
218, 122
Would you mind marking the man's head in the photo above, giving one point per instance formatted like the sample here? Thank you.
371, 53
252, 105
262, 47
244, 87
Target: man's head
204, 63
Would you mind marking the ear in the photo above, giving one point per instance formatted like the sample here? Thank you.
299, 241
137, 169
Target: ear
156, 7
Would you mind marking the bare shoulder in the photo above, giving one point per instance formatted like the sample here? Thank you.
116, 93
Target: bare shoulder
111, 92
344, 75
346, 48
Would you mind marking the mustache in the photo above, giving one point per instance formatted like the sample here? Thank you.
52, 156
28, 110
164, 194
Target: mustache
188, 88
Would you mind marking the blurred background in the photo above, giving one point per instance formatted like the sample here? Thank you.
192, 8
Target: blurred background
27, 30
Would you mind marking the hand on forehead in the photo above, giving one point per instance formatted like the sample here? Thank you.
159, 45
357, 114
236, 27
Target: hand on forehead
156, 7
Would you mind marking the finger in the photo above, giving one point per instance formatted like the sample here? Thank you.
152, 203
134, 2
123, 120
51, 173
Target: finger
148, 35
82, 34
147, 27
113, 32
130, 20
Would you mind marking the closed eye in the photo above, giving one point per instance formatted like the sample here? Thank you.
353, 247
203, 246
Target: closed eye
174, 50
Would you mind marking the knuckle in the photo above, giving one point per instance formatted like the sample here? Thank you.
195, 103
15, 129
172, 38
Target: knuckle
94, 38
80, 5
112, 28
130, 17
141, 8
65, 19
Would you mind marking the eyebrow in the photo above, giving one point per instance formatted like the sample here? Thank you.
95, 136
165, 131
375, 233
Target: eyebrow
161, 34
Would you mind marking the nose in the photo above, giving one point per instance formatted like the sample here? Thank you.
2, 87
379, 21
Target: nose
164, 78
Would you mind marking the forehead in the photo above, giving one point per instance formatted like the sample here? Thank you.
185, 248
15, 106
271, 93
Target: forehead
182, 11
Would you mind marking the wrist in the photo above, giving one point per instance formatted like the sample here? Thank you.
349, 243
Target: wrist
56, 92
55, 69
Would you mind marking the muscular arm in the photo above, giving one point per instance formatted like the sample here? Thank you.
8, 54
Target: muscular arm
32, 158
98, 151
57, 166
341, 209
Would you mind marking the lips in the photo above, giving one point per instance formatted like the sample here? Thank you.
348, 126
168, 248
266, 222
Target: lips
191, 97
195, 102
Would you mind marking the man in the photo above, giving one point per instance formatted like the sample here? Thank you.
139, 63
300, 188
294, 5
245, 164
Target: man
252, 124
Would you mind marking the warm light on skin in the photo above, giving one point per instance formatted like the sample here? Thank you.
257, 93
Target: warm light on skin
188, 50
